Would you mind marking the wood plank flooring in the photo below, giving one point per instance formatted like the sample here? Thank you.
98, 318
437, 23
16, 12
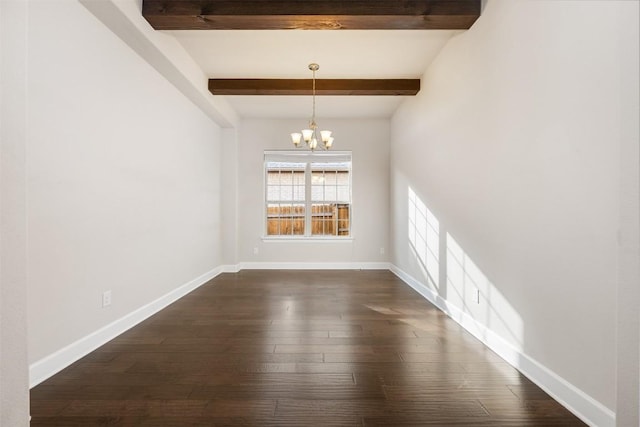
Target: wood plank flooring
295, 348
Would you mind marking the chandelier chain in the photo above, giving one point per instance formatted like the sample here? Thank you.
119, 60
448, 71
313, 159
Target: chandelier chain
313, 111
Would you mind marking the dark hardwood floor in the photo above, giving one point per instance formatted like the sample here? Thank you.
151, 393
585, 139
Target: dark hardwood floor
295, 348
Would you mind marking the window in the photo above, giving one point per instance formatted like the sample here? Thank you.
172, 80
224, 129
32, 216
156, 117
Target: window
308, 195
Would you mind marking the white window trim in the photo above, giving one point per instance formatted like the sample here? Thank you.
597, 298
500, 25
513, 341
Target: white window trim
308, 158
304, 239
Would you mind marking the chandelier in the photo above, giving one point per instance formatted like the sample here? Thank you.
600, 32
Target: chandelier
310, 135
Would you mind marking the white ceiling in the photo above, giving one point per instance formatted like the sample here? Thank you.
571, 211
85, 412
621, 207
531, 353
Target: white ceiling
287, 53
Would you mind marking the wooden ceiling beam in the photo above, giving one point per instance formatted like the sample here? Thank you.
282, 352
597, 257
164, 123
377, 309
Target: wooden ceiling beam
311, 14
344, 87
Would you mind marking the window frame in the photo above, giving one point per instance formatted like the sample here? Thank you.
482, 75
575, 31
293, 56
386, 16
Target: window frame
307, 158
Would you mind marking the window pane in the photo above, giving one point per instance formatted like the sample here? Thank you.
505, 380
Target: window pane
286, 226
273, 225
286, 178
334, 180
286, 185
273, 178
330, 193
298, 193
342, 178
343, 228
343, 219
317, 178
317, 192
343, 194
286, 193
330, 178
273, 192
298, 178
324, 219
297, 219
285, 219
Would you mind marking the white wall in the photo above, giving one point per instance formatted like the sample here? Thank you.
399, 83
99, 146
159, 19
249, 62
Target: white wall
14, 391
163, 52
369, 142
628, 342
513, 144
123, 180
229, 197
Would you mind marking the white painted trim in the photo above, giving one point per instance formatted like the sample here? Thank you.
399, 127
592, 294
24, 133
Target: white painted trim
55, 362
313, 266
577, 401
231, 268
306, 239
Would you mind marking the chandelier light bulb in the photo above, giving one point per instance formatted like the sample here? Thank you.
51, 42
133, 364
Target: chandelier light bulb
295, 137
307, 134
326, 134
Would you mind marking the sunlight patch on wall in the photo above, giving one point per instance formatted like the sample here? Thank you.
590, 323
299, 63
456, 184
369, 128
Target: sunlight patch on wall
478, 297
424, 237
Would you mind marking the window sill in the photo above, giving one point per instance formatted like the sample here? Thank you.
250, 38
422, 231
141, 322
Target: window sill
304, 239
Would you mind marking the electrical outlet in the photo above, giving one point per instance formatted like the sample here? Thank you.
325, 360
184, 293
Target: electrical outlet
381, 251
255, 250
106, 299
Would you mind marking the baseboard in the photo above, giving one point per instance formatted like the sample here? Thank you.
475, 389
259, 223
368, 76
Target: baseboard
231, 268
581, 404
54, 363
313, 266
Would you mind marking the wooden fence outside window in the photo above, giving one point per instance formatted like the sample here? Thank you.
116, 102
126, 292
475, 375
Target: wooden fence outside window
326, 219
